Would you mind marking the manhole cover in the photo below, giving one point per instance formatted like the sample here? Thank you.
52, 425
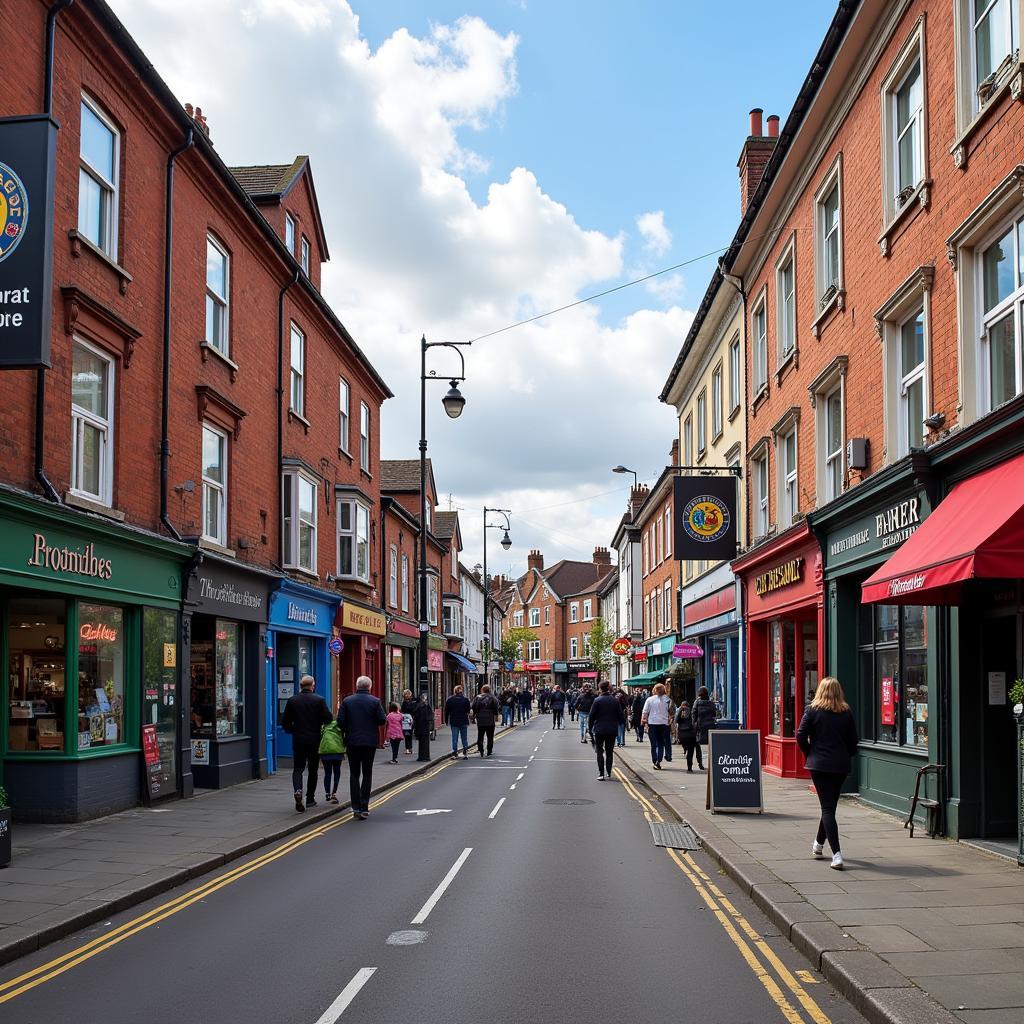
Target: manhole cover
674, 835
568, 803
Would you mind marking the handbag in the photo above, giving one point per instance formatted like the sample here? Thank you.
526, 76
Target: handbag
407, 722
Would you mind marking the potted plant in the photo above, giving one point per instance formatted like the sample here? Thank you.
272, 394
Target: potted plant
5, 829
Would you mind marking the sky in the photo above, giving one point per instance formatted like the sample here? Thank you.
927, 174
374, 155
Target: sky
480, 162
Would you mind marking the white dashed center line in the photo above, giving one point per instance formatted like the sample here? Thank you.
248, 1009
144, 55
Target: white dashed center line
333, 1012
440, 890
497, 807
520, 776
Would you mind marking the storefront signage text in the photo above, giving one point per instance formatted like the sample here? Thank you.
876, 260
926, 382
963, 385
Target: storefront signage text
363, 620
784, 575
228, 593
296, 613
79, 561
92, 633
884, 530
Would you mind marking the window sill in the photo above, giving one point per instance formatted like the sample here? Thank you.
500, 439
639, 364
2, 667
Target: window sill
363, 472
80, 501
207, 350
790, 360
298, 570
734, 411
340, 578
208, 544
347, 455
761, 395
1012, 83
918, 200
299, 418
715, 437
835, 303
80, 242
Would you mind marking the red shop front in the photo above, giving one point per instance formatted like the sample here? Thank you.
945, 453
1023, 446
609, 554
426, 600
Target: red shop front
783, 612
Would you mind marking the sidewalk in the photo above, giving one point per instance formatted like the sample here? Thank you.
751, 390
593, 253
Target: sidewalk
65, 877
924, 930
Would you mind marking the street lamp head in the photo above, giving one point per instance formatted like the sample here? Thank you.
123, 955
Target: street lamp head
506, 541
620, 469
453, 402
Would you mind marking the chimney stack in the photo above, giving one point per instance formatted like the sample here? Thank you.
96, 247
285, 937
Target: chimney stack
754, 156
602, 556
497, 584
637, 496
535, 560
673, 455
197, 115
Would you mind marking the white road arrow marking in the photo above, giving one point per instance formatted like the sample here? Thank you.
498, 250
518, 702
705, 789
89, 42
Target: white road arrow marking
430, 810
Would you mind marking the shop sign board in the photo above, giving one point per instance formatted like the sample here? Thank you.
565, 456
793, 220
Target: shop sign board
687, 651
435, 661
363, 620
154, 768
28, 147
705, 517
200, 751
879, 532
579, 664
561, 666
888, 701
228, 593
640, 654
734, 776
663, 646
779, 576
621, 646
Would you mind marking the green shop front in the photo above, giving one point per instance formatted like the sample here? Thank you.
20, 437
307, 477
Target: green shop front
887, 656
90, 628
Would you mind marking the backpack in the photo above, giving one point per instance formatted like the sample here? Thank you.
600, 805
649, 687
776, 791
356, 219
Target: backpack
407, 722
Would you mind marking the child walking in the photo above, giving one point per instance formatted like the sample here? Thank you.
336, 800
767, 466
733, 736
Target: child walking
394, 730
332, 750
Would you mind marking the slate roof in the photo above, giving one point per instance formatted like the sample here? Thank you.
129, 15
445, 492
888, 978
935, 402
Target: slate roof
268, 179
567, 577
445, 523
401, 474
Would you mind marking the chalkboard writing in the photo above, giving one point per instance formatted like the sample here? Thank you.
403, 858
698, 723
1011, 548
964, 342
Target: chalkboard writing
734, 770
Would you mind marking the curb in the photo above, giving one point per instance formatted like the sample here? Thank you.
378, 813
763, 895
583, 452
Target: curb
67, 920
873, 987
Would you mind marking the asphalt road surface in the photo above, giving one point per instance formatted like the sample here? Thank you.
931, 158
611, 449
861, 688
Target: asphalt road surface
532, 894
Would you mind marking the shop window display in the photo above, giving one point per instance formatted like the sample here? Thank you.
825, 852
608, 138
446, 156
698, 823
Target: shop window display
100, 676
36, 674
783, 677
217, 702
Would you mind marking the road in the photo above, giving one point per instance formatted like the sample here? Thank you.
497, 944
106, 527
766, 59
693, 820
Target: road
533, 894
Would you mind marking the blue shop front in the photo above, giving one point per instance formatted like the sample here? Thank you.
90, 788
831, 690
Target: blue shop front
299, 633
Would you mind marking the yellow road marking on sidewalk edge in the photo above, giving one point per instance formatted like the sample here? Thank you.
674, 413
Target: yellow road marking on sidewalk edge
46, 972
723, 910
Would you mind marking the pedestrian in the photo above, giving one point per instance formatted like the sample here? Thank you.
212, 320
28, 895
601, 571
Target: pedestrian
686, 732
409, 704
305, 715
583, 706
456, 714
557, 699
360, 717
573, 695
603, 721
394, 730
620, 696
639, 699
705, 715
332, 751
656, 716
526, 703
828, 738
506, 707
423, 726
485, 710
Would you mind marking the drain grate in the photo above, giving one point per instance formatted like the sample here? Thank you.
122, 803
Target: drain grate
569, 803
674, 835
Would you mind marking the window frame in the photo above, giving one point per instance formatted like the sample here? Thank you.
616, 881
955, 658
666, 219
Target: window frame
353, 531
221, 488
405, 582
304, 253
717, 402
365, 427
111, 217
834, 455
702, 426
574, 611
906, 379
761, 491
290, 226
393, 577
735, 374
292, 523
828, 292
574, 647
221, 303
668, 535
297, 375
588, 610
82, 416
1010, 306
787, 259
534, 617
759, 318
344, 417
688, 440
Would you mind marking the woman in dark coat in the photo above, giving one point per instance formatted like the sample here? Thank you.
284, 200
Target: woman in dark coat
705, 715
422, 726
409, 705
686, 732
828, 738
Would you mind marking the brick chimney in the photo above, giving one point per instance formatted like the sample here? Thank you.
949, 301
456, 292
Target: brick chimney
637, 496
197, 115
497, 584
602, 556
535, 560
673, 455
755, 153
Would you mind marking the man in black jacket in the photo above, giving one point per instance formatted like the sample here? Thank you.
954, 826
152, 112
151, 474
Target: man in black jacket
603, 721
456, 714
360, 717
485, 708
557, 700
305, 715
583, 705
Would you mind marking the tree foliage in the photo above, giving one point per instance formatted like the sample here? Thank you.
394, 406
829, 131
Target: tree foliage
601, 640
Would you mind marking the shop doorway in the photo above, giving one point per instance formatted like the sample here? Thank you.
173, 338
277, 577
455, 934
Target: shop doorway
294, 660
1000, 664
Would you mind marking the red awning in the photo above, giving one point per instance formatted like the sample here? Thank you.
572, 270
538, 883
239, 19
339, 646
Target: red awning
587, 675
977, 532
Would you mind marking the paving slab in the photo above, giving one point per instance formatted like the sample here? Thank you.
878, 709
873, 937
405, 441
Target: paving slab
888, 938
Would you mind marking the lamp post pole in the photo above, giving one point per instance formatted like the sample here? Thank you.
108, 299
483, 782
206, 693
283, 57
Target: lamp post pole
506, 543
453, 403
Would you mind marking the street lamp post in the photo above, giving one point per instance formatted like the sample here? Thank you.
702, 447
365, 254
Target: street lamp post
453, 403
623, 469
506, 543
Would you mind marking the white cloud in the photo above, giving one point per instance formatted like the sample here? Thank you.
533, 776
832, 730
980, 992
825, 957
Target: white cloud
551, 406
657, 237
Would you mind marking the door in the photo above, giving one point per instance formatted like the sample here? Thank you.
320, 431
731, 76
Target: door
1000, 662
294, 660
160, 698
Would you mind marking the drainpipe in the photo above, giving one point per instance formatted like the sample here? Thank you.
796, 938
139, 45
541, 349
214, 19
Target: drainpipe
280, 415
165, 395
40, 440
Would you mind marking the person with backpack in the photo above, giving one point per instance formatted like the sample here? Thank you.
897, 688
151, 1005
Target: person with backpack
705, 715
639, 698
409, 704
331, 750
485, 711
557, 700
603, 720
456, 714
686, 733
583, 706
305, 715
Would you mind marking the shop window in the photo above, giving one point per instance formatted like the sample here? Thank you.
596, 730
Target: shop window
783, 653
405, 583
300, 508
36, 677
215, 485
344, 395
217, 284
297, 391
894, 668
216, 687
99, 156
100, 676
92, 423
354, 540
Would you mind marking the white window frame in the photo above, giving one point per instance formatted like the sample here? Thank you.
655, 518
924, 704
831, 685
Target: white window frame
80, 417
759, 336
828, 280
702, 424
297, 374
760, 485
294, 522
588, 610
364, 437
344, 422
646, 556
220, 488
666, 596
574, 611
111, 189
517, 619
785, 327
289, 232
534, 616
788, 477
688, 440
834, 457
433, 600
533, 650
304, 254
717, 402
1010, 307
547, 615
586, 645
221, 303
405, 582
969, 104
668, 534
351, 572
393, 577
907, 378
574, 647
656, 610
735, 374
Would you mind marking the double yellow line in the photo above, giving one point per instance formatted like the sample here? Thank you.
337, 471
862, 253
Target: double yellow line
734, 923
40, 975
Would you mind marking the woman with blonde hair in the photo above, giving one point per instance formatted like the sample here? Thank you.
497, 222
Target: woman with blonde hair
657, 716
828, 738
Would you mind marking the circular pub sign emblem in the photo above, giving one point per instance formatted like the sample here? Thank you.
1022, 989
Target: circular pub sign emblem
706, 518
13, 211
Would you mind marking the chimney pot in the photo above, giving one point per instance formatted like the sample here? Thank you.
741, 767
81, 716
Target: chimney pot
673, 454
755, 121
535, 560
773, 126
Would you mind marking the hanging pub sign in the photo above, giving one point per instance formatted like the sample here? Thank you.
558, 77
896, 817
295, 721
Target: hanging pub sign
705, 517
28, 147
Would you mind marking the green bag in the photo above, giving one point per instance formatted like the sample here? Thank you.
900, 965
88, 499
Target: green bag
331, 740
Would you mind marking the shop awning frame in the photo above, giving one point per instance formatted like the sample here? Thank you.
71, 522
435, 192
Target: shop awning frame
464, 663
645, 679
